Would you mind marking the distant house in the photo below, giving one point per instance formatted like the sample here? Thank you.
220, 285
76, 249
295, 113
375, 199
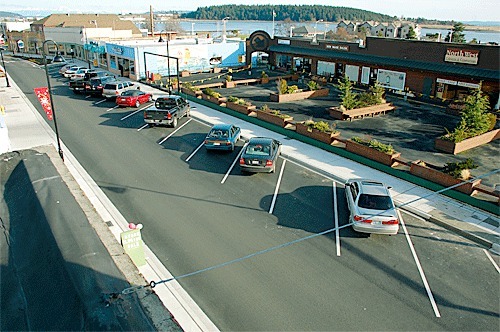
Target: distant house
305, 32
378, 30
404, 29
365, 27
348, 26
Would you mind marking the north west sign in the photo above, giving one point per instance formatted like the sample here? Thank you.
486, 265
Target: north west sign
461, 56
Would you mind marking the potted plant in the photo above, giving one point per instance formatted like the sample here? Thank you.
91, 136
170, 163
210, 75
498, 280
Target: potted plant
287, 93
229, 83
475, 127
273, 116
264, 78
320, 130
240, 105
373, 149
451, 174
190, 89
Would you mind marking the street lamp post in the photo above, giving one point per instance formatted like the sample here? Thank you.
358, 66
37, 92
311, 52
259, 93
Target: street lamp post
57, 58
224, 20
192, 29
168, 58
315, 29
5, 68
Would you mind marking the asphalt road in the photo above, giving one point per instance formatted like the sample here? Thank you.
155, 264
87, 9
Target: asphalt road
200, 213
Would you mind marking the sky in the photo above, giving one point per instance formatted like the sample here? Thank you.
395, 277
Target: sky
457, 10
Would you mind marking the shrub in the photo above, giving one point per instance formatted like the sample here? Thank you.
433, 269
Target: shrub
263, 74
313, 85
282, 86
229, 78
374, 144
292, 89
236, 100
347, 97
212, 93
322, 126
278, 113
460, 170
190, 86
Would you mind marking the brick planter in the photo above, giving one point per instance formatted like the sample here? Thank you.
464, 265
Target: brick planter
264, 80
190, 92
244, 109
328, 138
217, 101
433, 174
373, 154
275, 119
454, 148
288, 97
229, 84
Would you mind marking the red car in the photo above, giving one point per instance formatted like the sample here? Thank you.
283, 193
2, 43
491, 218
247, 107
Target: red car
133, 98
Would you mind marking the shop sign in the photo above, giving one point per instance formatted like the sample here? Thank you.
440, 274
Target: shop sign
462, 56
469, 85
117, 50
338, 47
445, 81
391, 79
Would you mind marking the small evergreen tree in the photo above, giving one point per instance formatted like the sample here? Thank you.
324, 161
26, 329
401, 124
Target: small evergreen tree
411, 34
347, 96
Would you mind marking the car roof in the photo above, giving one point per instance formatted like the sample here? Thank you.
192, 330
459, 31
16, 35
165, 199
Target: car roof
260, 140
372, 187
222, 126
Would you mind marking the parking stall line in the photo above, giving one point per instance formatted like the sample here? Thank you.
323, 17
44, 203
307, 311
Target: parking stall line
491, 260
172, 133
139, 110
419, 267
112, 108
141, 128
336, 217
88, 96
234, 163
276, 190
100, 102
194, 152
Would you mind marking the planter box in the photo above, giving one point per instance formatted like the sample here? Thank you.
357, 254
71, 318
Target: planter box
230, 84
328, 138
185, 73
214, 100
432, 173
366, 151
469, 143
341, 113
244, 109
190, 92
288, 97
275, 119
264, 80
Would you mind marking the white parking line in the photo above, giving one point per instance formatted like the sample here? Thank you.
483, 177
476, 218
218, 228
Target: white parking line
142, 127
100, 101
278, 183
112, 108
87, 97
420, 270
194, 152
139, 110
172, 133
234, 163
336, 216
491, 260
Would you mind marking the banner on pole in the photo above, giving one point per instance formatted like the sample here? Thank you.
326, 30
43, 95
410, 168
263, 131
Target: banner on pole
44, 98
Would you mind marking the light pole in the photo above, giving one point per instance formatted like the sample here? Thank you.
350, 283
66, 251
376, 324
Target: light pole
57, 58
315, 28
168, 58
291, 31
5, 68
192, 29
224, 20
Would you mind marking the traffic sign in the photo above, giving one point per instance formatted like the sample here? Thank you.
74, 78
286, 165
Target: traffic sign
20, 44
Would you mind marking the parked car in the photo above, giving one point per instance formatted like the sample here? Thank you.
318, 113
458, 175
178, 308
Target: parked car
80, 74
167, 111
71, 71
114, 89
371, 207
95, 73
95, 85
260, 155
67, 67
222, 137
133, 98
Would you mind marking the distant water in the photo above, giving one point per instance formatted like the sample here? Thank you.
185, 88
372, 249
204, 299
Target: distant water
247, 27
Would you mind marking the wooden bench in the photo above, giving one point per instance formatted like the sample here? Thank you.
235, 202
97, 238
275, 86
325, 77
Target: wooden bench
211, 85
246, 81
359, 113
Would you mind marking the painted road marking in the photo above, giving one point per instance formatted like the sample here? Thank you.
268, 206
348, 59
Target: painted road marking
194, 152
419, 267
139, 110
172, 133
276, 190
234, 163
100, 101
491, 260
112, 108
146, 125
336, 217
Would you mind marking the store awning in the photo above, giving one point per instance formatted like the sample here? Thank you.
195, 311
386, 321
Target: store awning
372, 60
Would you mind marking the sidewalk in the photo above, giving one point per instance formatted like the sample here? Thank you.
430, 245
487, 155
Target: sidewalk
28, 129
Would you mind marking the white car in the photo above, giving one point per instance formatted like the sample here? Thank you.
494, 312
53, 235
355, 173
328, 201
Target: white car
63, 69
80, 73
72, 71
371, 207
113, 89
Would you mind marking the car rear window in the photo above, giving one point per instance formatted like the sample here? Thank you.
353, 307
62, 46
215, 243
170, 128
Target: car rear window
165, 103
375, 202
110, 86
217, 133
258, 150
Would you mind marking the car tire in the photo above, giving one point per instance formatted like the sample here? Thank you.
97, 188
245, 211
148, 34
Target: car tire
174, 122
137, 104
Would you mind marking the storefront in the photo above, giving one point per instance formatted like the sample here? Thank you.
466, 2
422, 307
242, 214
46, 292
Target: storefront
121, 60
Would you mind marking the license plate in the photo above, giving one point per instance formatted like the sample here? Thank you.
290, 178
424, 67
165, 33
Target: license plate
215, 143
255, 162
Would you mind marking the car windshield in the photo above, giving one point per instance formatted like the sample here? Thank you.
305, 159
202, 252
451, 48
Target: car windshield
217, 133
375, 202
258, 150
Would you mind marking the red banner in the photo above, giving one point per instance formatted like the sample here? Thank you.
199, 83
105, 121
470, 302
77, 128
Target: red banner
44, 98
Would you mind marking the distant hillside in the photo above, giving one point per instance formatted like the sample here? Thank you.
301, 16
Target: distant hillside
9, 14
286, 12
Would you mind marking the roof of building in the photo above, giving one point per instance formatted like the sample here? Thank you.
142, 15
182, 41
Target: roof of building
374, 60
88, 21
303, 29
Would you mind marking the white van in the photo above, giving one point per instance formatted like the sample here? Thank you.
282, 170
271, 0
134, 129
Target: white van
115, 88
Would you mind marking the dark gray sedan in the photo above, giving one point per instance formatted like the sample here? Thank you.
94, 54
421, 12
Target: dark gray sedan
260, 155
